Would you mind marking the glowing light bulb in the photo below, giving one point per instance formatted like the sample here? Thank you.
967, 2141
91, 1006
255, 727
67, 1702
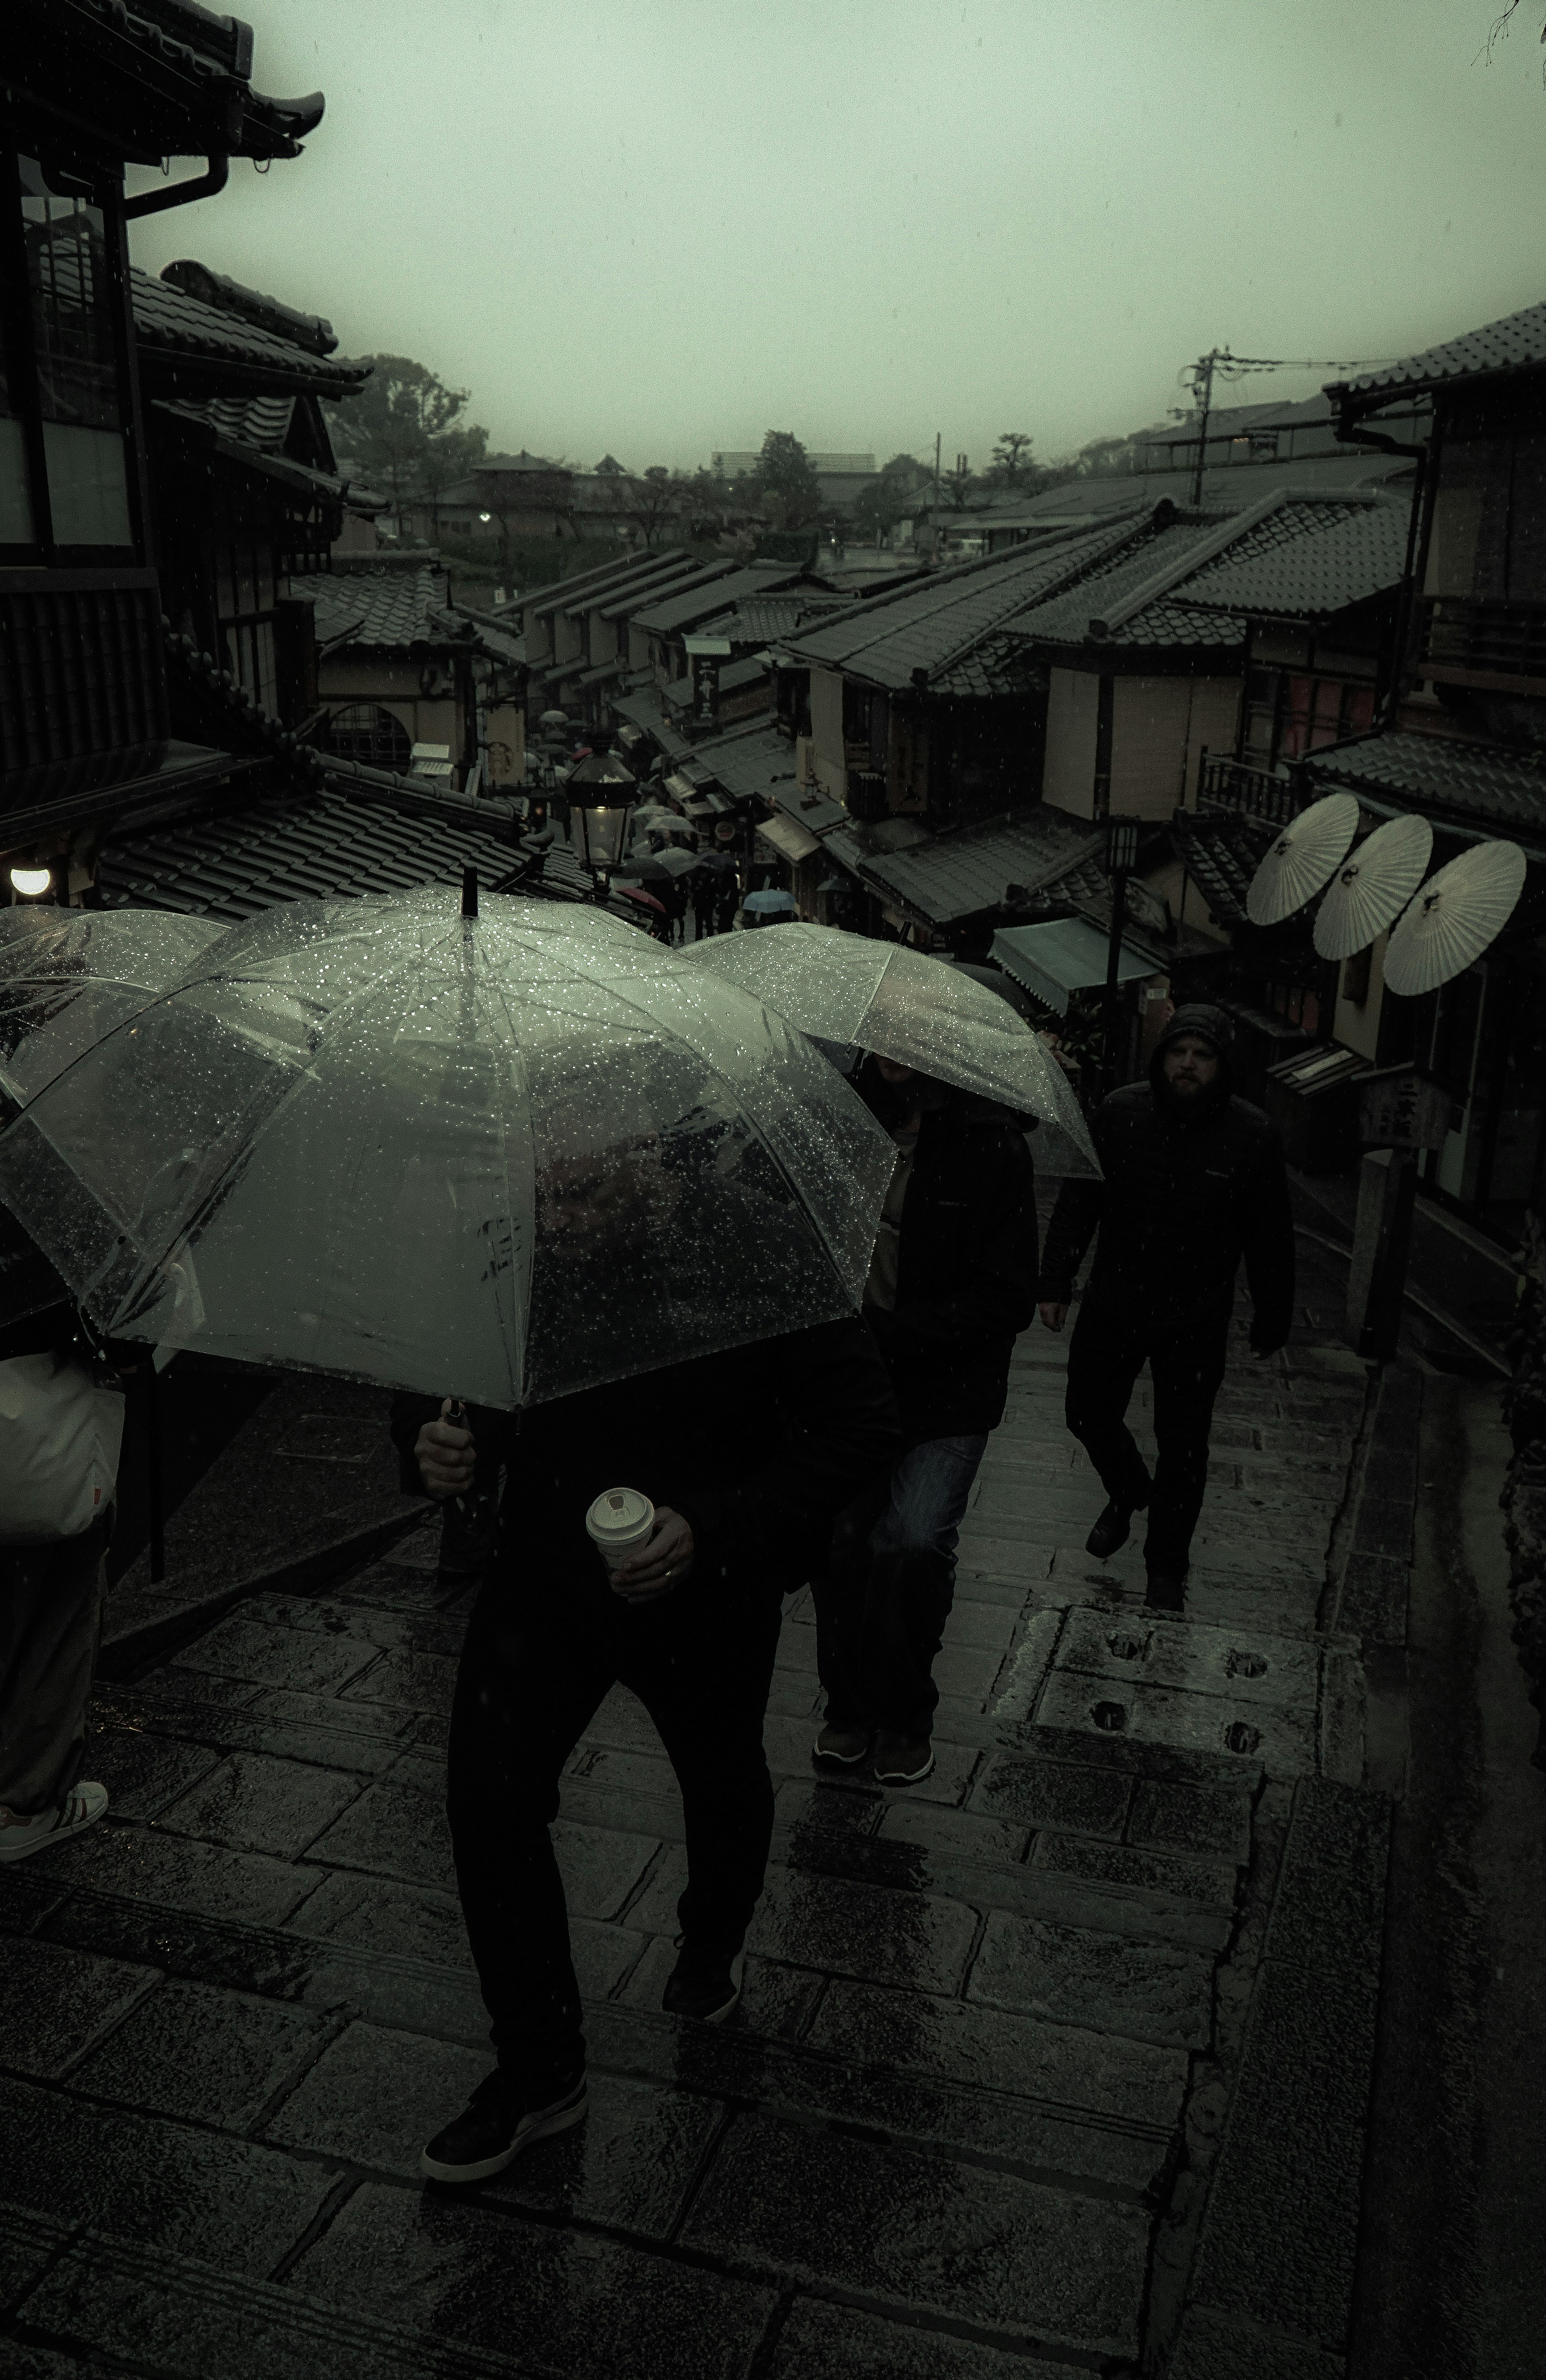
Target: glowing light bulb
30, 881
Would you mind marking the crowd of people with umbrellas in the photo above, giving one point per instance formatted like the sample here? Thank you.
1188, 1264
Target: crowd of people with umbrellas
456, 1150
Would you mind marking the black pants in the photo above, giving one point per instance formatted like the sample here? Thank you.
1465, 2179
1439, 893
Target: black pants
536, 1664
883, 1601
1104, 1360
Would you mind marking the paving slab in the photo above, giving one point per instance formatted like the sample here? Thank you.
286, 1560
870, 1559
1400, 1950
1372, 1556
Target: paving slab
178, 2186
928, 2232
213, 2056
57, 2001
254, 1804
567, 2302
1284, 1740
829, 2342
1146, 1991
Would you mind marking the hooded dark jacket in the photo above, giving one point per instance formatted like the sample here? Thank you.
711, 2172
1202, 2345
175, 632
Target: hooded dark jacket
1184, 1197
966, 1270
759, 1448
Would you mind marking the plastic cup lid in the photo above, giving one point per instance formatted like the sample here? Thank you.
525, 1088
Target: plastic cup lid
618, 1513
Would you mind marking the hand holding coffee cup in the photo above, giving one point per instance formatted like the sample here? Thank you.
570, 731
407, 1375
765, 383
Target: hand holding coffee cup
646, 1552
445, 1453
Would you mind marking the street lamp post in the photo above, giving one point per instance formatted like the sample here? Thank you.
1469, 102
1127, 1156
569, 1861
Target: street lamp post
1119, 860
602, 793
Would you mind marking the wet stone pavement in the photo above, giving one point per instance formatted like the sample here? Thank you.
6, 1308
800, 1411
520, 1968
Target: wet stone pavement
995, 2039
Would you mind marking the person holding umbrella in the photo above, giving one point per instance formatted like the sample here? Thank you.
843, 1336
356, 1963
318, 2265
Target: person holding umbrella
1194, 1180
953, 1073
465, 1174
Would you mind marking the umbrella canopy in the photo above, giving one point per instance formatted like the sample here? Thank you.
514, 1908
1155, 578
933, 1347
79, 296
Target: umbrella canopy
68, 976
676, 862
770, 903
1378, 880
642, 867
1304, 857
1459, 911
370, 1138
904, 1005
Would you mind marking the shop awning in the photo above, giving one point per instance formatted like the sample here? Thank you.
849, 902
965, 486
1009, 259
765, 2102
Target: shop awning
1062, 956
791, 842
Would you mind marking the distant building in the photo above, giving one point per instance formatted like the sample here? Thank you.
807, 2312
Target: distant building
841, 477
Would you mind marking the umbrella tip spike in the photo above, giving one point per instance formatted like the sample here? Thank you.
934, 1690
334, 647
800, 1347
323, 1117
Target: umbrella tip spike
469, 892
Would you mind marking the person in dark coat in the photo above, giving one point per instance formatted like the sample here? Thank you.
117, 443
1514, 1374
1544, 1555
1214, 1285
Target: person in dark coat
747, 1457
1194, 1182
952, 1284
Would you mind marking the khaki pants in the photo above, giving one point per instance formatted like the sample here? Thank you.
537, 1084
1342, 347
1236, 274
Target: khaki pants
50, 1605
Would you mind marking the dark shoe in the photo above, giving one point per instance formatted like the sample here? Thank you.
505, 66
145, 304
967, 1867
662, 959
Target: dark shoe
1165, 1594
705, 1982
493, 2131
467, 1530
847, 1746
903, 1760
1110, 1532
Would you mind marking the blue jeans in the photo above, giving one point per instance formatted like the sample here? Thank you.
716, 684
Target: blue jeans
882, 1607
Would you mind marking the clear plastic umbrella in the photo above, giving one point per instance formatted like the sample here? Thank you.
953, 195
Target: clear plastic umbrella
906, 1005
68, 976
374, 1139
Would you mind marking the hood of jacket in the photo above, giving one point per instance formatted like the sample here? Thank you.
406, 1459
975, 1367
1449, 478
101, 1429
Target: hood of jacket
1210, 1023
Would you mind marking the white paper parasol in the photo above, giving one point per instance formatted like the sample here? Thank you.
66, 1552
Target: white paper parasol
1374, 885
1302, 859
1458, 912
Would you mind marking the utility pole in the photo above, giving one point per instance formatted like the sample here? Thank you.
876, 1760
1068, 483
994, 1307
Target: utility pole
1203, 389
937, 436
1119, 858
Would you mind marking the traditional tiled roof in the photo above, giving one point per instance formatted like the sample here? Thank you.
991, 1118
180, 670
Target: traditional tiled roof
886, 638
954, 876
627, 600
1226, 487
1517, 343
753, 759
1313, 557
768, 619
260, 421
677, 610
645, 572
328, 844
174, 328
1222, 854
643, 707
167, 77
384, 611
1157, 560
1444, 776
606, 577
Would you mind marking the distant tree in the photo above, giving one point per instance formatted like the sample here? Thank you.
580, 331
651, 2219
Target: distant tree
787, 481
660, 496
898, 492
1011, 470
960, 484
454, 456
1101, 454
609, 467
512, 496
385, 431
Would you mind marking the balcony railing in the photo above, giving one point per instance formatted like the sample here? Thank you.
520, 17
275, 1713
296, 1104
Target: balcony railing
1470, 643
1235, 786
82, 688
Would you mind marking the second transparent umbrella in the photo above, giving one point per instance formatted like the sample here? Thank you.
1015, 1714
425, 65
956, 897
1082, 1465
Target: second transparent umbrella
374, 1139
907, 1006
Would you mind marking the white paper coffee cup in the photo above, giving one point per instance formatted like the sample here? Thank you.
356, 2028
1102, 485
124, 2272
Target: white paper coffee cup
619, 1521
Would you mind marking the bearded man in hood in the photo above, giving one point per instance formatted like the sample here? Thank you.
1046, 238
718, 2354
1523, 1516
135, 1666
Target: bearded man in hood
1194, 1182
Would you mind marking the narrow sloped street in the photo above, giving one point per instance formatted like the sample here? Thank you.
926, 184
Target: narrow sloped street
997, 2039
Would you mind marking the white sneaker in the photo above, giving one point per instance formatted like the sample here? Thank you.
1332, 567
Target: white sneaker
81, 1808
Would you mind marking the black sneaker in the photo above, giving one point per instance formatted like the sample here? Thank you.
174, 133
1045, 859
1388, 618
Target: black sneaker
1110, 1532
705, 1982
467, 1530
1166, 1594
491, 2131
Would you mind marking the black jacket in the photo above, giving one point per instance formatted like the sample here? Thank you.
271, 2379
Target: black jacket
1184, 1197
759, 1448
965, 1272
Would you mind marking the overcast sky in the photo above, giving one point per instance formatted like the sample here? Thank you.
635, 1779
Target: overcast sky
656, 227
